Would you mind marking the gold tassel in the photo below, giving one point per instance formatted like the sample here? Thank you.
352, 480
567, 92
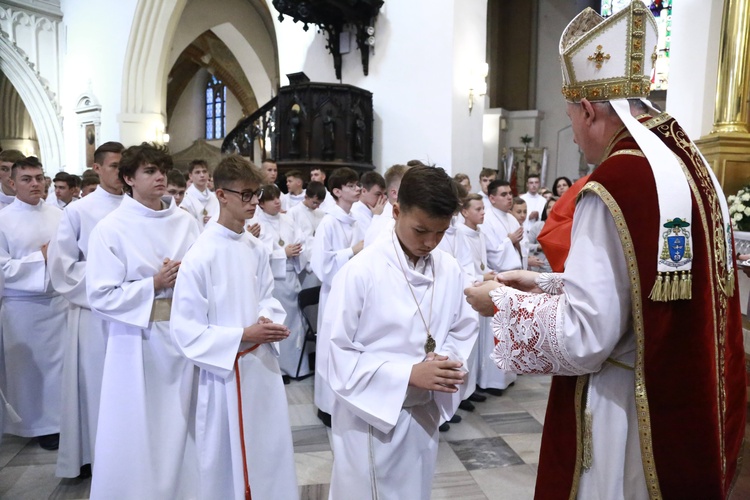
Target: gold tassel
588, 440
686, 286
675, 293
657, 290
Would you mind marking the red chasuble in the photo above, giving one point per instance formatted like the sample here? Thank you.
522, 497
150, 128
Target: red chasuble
690, 366
555, 235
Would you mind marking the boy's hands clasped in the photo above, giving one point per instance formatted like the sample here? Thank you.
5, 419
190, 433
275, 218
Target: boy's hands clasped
265, 331
437, 373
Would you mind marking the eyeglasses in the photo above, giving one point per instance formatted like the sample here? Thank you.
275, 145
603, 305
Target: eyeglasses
246, 196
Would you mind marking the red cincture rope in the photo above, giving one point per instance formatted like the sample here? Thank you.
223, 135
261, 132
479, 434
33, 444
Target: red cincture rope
248, 496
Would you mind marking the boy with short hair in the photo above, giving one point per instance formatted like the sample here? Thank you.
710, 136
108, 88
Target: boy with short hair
295, 194
7, 158
519, 209
144, 446
486, 176
317, 174
270, 169
336, 241
226, 321
176, 186
199, 201
32, 315
64, 189
89, 184
383, 223
372, 200
400, 336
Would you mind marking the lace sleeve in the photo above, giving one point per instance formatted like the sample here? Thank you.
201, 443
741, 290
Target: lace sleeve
529, 332
551, 283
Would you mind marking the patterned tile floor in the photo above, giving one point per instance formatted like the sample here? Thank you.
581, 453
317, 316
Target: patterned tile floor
492, 454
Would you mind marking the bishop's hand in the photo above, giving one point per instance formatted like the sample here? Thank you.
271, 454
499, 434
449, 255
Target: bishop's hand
478, 297
524, 281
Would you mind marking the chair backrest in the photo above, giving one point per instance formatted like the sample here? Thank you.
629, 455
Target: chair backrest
307, 300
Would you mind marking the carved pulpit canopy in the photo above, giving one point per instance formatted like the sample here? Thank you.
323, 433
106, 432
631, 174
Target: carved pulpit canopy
332, 16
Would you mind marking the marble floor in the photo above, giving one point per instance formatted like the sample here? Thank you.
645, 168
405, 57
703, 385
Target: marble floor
492, 454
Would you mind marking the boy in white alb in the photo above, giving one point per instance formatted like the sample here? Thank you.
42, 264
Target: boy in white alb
534, 201
473, 260
307, 217
372, 200
295, 194
226, 321
334, 244
501, 229
383, 222
400, 338
144, 447
286, 245
199, 201
319, 175
32, 315
86, 341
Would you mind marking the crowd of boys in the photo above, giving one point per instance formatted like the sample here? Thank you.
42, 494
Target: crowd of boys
171, 288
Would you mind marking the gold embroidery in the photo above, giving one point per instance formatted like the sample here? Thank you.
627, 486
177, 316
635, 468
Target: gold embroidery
641, 397
581, 384
719, 278
632, 152
599, 57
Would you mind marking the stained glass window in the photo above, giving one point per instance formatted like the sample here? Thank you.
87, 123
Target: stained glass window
216, 98
662, 10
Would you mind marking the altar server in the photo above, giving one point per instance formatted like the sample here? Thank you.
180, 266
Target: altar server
226, 321
289, 255
335, 243
32, 315
307, 216
501, 229
86, 339
143, 445
400, 337
199, 201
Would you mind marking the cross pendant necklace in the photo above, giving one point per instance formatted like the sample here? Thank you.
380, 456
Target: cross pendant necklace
429, 345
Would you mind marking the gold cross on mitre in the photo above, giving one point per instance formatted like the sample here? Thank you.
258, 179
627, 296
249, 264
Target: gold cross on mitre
599, 57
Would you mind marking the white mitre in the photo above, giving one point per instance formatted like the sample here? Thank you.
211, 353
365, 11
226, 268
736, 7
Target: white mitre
613, 58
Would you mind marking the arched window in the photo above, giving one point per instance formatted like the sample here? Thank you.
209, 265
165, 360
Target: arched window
216, 99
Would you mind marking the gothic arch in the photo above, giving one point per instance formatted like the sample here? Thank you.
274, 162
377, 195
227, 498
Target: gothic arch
144, 92
39, 100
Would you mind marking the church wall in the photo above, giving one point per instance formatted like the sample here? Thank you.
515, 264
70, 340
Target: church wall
412, 74
554, 133
469, 58
31, 58
188, 121
97, 37
693, 65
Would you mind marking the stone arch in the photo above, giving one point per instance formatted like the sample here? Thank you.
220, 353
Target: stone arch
146, 66
39, 100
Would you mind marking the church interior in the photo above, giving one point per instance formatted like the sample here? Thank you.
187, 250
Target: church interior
463, 85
